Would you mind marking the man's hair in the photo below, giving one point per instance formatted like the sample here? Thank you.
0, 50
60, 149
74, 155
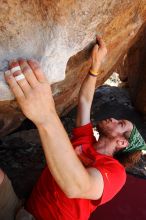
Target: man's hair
129, 159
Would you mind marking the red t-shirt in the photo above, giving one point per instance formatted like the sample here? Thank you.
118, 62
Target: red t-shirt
48, 202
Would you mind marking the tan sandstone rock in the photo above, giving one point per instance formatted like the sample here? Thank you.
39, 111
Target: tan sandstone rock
54, 32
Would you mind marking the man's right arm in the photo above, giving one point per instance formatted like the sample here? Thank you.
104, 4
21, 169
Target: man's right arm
34, 96
66, 168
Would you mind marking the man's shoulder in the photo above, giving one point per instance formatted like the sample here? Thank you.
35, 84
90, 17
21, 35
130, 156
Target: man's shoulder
109, 165
114, 176
83, 129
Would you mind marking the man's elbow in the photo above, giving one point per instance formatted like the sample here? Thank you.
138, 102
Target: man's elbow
73, 194
77, 192
70, 195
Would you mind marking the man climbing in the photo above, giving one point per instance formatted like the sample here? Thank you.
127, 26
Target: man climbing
80, 174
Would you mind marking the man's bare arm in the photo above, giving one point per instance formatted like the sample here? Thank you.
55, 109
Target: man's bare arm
88, 87
34, 96
68, 171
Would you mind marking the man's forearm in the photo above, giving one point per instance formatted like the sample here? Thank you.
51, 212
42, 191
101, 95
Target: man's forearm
85, 99
62, 161
87, 89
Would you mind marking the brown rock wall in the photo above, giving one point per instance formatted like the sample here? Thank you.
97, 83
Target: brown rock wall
10, 117
133, 69
54, 31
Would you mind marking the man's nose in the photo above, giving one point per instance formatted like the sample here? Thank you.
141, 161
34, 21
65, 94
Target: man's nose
113, 120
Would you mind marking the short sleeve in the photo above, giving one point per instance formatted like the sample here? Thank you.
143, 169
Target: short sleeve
82, 131
83, 135
114, 177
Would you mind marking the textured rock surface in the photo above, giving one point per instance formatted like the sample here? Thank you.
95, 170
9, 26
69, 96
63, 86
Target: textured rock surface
10, 117
54, 31
133, 69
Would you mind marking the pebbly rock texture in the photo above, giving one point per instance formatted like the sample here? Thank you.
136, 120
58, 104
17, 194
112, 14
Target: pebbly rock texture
22, 158
53, 31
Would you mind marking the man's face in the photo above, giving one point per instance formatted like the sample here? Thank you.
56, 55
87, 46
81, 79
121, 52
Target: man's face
112, 127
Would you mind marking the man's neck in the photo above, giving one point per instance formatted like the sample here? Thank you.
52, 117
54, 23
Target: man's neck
102, 146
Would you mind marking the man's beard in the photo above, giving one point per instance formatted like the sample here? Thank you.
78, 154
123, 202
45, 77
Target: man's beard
101, 129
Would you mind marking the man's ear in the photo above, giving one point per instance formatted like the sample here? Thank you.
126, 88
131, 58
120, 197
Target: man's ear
121, 143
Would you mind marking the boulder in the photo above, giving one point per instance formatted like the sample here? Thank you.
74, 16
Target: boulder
60, 34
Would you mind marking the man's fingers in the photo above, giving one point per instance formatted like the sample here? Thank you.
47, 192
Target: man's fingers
37, 70
10, 79
14, 67
100, 41
19, 77
23, 76
27, 71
